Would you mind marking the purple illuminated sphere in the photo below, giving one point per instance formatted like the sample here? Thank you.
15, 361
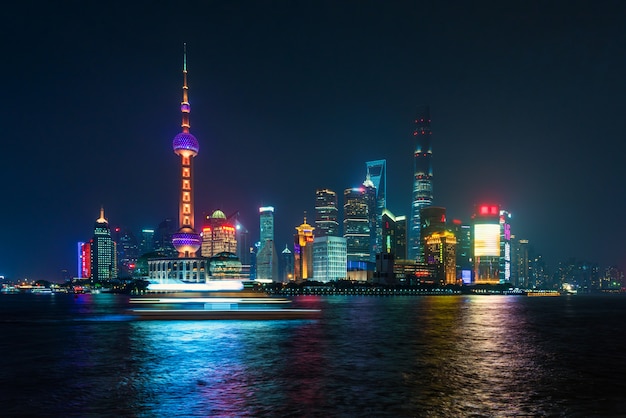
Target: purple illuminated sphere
186, 240
185, 141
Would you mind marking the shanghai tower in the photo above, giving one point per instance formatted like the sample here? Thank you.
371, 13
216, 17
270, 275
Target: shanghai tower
422, 180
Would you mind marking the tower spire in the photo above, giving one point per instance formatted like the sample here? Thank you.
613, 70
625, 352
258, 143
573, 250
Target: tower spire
185, 108
101, 219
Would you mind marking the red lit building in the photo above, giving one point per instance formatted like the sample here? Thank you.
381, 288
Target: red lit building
85, 260
218, 235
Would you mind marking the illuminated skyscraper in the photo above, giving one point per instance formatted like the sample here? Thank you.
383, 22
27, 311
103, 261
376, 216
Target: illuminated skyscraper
147, 241
287, 265
266, 222
127, 251
356, 225
440, 251
84, 259
186, 241
329, 259
377, 173
486, 234
163, 238
267, 258
433, 219
103, 257
372, 217
303, 251
326, 223
422, 180
218, 235
506, 266
463, 234
521, 259
394, 235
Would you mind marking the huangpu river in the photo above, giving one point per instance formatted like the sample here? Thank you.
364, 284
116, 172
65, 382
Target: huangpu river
395, 356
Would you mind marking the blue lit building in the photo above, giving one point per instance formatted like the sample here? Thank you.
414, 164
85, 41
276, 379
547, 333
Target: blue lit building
267, 258
329, 259
422, 180
377, 173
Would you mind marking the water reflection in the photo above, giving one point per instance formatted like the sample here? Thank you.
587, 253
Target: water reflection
219, 368
451, 356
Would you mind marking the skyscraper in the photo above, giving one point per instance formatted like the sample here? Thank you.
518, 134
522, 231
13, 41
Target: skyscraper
440, 251
84, 259
486, 224
147, 241
394, 235
127, 251
287, 265
326, 223
266, 223
329, 259
186, 241
506, 266
372, 216
377, 172
521, 258
433, 219
163, 238
267, 258
422, 179
218, 235
463, 234
303, 251
103, 254
356, 225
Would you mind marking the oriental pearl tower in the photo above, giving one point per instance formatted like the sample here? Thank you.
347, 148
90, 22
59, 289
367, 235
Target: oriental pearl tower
186, 240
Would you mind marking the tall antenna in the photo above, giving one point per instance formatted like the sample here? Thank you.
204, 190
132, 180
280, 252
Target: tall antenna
185, 108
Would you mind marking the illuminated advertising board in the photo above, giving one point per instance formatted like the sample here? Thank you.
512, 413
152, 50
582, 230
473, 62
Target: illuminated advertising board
466, 275
486, 240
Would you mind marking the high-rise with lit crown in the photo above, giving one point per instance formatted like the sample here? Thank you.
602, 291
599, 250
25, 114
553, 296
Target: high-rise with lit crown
326, 211
303, 254
218, 235
422, 180
103, 254
186, 240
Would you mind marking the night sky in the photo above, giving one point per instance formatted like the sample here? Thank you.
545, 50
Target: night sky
527, 102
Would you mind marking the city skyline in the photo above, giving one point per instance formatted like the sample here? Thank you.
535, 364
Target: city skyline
525, 107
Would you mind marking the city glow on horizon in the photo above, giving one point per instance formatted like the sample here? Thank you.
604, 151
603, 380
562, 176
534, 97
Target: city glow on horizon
210, 286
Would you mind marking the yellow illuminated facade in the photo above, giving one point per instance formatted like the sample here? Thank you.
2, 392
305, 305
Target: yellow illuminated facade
440, 250
304, 251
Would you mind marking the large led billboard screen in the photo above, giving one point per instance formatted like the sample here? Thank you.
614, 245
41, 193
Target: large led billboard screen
486, 240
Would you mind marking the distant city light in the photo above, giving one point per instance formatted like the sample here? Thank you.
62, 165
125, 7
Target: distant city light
210, 286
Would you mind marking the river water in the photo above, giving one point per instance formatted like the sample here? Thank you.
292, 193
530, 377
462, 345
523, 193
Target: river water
398, 356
